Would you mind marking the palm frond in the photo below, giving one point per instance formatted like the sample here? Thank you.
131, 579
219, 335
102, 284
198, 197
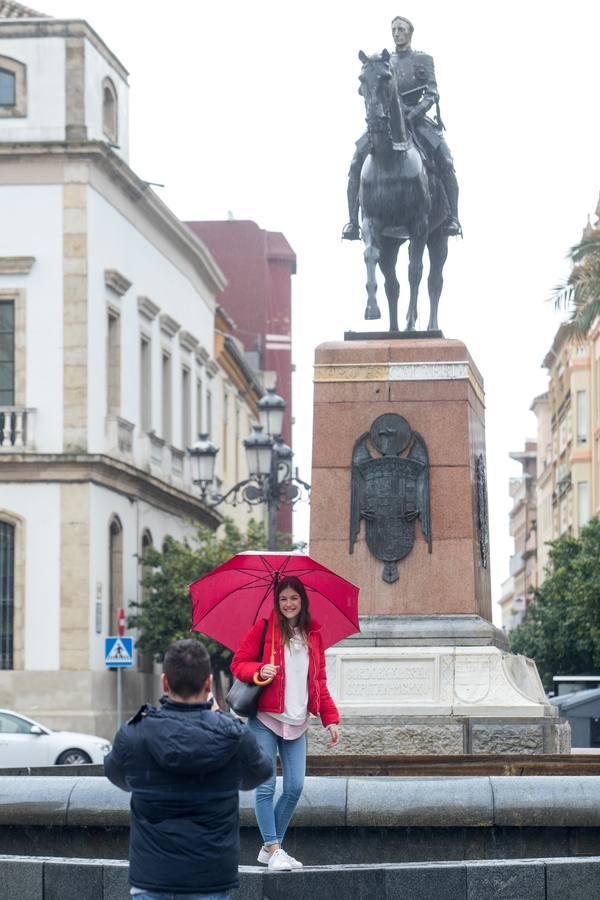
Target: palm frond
562, 295
579, 295
589, 246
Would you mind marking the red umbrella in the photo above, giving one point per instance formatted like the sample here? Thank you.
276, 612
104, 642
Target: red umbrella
228, 600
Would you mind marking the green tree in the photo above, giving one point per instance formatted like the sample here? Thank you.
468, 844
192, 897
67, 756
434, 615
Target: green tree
165, 613
580, 293
562, 629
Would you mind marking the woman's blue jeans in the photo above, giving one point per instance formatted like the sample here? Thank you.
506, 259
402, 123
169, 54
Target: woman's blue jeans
273, 821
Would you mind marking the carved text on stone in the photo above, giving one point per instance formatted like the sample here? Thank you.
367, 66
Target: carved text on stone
390, 681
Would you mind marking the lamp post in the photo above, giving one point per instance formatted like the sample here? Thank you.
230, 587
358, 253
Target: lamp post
271, 477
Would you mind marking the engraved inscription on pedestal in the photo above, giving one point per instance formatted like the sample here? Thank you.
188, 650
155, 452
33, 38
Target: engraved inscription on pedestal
389, 680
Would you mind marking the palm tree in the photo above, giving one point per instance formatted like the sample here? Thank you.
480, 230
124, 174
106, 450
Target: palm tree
580, 293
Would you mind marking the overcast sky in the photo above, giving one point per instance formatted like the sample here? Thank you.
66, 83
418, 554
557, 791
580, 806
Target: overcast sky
253, 108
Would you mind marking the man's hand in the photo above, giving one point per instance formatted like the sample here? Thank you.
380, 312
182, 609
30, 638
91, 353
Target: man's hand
334, 736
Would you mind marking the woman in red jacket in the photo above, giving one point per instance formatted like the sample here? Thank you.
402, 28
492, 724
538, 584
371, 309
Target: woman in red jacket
299, 687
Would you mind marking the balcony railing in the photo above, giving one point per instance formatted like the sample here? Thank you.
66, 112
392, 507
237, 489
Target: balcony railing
120, 436
16, 429
177, 462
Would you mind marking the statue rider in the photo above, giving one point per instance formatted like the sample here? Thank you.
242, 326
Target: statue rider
415, 78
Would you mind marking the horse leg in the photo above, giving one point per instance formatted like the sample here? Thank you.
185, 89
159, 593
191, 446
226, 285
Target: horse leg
371, 256
437, 246
387, 264
416, 248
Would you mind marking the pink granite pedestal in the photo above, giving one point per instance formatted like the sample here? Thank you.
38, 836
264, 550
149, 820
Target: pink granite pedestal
436, 386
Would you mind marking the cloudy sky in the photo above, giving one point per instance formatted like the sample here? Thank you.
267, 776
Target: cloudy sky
252, 107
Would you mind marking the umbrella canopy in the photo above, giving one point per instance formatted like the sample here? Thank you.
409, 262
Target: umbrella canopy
230, 599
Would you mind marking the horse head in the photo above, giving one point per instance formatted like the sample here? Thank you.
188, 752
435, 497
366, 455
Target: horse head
376, 87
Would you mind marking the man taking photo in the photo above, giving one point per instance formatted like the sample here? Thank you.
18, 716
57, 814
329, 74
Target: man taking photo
184, 765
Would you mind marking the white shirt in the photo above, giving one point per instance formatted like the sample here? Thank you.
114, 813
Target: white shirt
295, 705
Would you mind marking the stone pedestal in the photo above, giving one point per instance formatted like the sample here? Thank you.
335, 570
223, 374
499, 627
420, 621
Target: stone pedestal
435, 385
429, 673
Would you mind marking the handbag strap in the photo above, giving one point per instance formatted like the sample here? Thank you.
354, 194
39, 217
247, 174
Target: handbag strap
262, 641
257, 679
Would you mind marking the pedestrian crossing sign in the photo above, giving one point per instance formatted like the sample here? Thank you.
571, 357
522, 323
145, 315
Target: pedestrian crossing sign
118, 652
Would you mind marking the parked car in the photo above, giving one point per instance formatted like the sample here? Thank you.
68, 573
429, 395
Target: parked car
25, 742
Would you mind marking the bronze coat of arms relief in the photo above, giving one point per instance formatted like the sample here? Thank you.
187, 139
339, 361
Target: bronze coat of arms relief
390, 490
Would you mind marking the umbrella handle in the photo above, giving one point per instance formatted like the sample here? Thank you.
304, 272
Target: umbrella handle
256, 678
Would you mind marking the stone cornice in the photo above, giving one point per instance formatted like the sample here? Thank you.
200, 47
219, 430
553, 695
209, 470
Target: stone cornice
449, 370
16, 265
188, 341
202, 355
147, 308
147, 202
61, 28
168, 325
116, 282
110, 473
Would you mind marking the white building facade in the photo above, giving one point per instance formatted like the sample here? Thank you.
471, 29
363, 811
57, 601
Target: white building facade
107, 373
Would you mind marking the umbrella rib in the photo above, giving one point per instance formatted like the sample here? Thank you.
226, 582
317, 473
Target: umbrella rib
261, 603
251, 584
257, 575
234, 590
317, 591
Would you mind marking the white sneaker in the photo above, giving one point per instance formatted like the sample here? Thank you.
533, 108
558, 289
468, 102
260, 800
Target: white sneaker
279, 862
263, 856
295, 863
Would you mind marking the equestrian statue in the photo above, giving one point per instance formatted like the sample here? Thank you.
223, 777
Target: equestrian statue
402, 177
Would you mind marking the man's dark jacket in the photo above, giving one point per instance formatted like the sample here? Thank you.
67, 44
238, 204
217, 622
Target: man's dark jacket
184, 766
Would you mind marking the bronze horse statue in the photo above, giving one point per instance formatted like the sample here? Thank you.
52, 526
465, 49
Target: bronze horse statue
401, 199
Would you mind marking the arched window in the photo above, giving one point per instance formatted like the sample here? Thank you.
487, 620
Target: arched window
110, 111
7, 594
8, 88
147, 541
115, 572
13, 88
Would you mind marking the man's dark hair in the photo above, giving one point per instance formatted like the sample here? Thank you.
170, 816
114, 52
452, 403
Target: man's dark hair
187, 666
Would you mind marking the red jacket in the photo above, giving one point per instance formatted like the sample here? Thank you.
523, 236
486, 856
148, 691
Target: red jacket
246, 663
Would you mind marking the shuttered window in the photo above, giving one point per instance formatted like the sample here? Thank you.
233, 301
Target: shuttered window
7, 353
7, 594
8, 88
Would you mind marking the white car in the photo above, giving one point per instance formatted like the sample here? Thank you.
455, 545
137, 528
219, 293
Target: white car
24, 742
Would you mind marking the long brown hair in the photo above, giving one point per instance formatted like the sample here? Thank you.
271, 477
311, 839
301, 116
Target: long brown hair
304, 620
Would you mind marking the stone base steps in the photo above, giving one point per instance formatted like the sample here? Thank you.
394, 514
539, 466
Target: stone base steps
46, 878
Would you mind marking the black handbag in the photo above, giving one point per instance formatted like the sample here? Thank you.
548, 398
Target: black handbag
242, 696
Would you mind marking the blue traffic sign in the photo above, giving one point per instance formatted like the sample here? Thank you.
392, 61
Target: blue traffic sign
118, 652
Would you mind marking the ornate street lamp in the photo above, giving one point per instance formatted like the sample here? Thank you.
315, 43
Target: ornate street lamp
271, 477
271, 410
258, 449
203, 457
